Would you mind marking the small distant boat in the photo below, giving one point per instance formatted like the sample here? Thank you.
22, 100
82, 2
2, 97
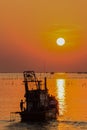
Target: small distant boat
39, 104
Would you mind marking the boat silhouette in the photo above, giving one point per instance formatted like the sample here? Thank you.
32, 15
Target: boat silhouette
39, 104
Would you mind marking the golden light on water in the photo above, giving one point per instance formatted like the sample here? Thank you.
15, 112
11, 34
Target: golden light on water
61, 94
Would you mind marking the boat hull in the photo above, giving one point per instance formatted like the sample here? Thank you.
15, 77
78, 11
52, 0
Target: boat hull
38, 116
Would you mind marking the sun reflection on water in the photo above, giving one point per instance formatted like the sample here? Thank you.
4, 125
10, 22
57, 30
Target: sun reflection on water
61, 95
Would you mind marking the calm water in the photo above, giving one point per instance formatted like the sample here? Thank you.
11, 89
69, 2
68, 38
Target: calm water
69, 89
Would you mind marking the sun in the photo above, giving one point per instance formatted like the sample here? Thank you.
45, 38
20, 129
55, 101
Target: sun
60, 41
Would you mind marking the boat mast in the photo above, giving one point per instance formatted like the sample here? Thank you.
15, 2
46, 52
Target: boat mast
45, 83
25, 82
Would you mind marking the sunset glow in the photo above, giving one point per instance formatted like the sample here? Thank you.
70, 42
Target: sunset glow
29, 30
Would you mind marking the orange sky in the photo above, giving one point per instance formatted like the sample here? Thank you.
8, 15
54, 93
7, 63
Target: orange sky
28, 33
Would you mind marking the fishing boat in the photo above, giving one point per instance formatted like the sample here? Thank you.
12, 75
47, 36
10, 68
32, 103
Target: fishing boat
39, 104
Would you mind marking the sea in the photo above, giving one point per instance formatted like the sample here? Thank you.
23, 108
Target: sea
70, 89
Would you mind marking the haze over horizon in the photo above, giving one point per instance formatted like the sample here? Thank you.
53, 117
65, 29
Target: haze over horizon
29, 30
